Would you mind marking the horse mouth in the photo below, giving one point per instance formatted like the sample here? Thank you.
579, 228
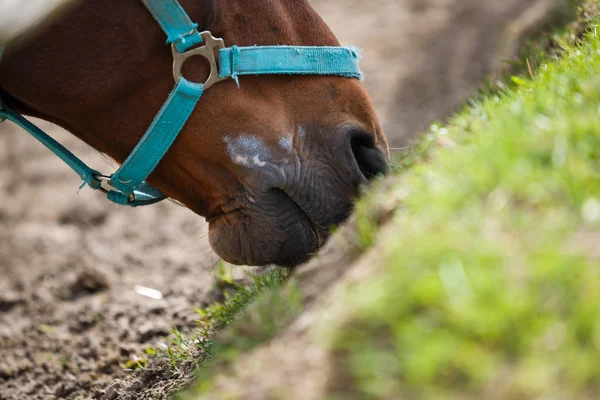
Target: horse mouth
320, 234
275, 230
285, 220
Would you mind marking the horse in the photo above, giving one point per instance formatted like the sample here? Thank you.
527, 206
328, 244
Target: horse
271, 162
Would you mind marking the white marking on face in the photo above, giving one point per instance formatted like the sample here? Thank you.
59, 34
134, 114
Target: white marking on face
258, 162
286, 142
241, 160
248, 151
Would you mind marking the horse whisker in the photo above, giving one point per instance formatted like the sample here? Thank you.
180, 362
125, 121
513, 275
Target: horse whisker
195, 242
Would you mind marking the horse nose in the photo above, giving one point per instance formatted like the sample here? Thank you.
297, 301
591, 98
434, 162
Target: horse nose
366, 159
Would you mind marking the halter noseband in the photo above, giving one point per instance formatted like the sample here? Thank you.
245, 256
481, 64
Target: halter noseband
127, 185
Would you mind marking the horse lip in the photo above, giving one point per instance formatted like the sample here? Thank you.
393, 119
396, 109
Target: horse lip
313, 225
212, 218
319, 238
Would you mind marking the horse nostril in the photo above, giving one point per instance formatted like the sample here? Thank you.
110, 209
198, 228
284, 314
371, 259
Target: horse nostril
370, 160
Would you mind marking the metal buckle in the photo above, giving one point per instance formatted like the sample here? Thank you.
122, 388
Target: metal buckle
102, 179
106, 179
207, 51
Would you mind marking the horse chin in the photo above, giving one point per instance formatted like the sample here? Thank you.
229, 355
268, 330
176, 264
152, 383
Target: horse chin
279, 232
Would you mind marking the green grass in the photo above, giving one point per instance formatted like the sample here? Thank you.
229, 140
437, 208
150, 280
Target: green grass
198, 349
249, 325
491, 279
487, 289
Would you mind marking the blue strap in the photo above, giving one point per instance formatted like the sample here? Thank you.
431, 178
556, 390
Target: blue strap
174, 21
144, 194
86, 174
158, 138
291, 60
129, 180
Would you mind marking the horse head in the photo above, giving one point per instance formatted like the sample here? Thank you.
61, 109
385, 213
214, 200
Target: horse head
272, 162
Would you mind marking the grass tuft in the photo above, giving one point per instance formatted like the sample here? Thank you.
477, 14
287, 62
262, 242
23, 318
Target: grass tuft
197, 349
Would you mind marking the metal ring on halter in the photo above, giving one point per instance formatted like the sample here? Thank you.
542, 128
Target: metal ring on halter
207, 51
142, 196
102, 178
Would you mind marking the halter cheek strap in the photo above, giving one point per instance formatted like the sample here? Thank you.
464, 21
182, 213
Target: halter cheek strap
156, 142
127, 185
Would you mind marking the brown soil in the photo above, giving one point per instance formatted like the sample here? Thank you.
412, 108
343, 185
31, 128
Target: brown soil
70, 318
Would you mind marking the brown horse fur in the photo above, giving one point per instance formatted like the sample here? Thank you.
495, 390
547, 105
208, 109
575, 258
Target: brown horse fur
272, 165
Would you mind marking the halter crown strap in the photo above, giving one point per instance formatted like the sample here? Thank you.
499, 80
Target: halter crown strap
127, 184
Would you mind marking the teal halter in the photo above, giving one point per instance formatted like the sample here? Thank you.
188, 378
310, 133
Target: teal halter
127, 185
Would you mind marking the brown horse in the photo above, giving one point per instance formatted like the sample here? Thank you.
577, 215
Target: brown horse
272, 165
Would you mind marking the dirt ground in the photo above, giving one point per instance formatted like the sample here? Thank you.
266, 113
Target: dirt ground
70, 315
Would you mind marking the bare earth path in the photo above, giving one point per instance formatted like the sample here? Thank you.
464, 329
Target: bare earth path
69, 315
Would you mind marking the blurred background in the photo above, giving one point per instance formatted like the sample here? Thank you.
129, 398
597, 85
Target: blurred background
424, 58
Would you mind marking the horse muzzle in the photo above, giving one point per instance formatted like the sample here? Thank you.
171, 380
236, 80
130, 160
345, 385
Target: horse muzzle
291, 207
